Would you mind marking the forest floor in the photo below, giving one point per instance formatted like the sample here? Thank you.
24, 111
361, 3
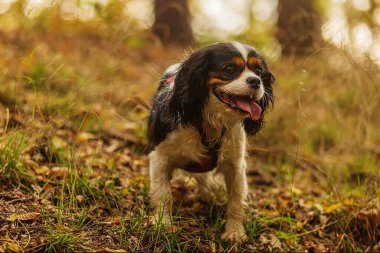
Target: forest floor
73, 157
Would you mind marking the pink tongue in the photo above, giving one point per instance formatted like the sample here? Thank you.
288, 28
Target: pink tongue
251, 107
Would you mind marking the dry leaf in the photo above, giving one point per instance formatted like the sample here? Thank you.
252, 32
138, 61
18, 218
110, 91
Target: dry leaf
296, 190
59, 171
80, 198
11, 247
28, 216
323, 219
332, 208
213, 247
171, 229
109, 183
106, 249
12, 217
58, 142
275, 242
348, 201
41, 170
84, 136
125, 192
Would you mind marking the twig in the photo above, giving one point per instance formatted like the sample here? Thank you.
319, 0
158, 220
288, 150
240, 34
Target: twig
317, 228
35, 248
19, 200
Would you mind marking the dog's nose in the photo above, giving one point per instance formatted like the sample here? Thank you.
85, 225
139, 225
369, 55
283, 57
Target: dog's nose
253, 82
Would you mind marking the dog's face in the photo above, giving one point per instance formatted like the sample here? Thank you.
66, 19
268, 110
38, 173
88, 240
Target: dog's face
236, 76
226, 78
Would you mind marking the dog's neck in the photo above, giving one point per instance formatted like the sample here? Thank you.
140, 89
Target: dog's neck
215, 125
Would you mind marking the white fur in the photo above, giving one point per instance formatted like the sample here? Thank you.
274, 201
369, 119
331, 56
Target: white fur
239, 86
184, 145
242, 49
172, 69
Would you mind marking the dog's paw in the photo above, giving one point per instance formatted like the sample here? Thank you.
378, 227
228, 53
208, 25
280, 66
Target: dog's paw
234, 235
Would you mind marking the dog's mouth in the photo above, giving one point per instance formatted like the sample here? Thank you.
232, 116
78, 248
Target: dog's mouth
242, 104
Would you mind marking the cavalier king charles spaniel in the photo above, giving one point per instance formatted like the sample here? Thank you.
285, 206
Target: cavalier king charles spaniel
203, 110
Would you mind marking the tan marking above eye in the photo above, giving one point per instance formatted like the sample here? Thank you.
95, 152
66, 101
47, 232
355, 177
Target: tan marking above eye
253, 61
238, 61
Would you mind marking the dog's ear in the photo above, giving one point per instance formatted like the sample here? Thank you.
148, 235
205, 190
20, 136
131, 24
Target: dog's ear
253, 127
190, 90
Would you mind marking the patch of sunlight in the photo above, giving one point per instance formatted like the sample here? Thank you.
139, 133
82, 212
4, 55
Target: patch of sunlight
34, 7
4, 5
375, 51
141, 11
362, 38
71, 10
265, 11
213, 17
376, 16
361, 5
335, 30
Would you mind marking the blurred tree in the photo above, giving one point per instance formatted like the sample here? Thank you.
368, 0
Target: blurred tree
172, 22
298, 26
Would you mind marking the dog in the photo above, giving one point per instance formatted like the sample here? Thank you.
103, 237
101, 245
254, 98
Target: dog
202, 112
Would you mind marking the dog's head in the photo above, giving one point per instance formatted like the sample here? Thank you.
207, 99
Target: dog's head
230, 80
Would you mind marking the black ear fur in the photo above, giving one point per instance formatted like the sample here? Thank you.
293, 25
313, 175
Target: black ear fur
190, 90
252, 127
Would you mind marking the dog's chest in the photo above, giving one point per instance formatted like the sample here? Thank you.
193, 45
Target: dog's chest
185, 149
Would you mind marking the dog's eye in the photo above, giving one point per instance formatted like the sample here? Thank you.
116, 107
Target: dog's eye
229, 70
258, 70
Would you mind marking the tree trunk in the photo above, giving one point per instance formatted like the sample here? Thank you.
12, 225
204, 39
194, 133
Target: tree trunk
298, 27
172, 22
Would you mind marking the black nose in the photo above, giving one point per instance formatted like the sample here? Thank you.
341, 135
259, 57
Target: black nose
253, 82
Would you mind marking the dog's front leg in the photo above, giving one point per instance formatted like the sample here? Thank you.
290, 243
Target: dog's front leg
236, 183
160, 193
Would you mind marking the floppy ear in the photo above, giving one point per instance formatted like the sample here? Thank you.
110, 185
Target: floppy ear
253, 127
190, 90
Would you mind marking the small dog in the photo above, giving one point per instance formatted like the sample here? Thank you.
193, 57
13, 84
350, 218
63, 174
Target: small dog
203, 109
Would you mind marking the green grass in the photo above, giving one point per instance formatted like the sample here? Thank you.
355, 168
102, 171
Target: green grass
62, 241
11, 164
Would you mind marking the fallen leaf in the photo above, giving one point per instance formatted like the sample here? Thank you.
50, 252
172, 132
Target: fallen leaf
213, 247
84, 136
28, 216
299, 224
11, 247
348, 201
80, 198
323, 219
109, 183
275, 242
296, 190
332, 208
58, 142
106, 249
305, 204
125, 192
59, 171
41, 170
172, 229
12, 217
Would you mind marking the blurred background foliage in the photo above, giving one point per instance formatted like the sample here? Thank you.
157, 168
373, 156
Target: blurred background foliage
286, 26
